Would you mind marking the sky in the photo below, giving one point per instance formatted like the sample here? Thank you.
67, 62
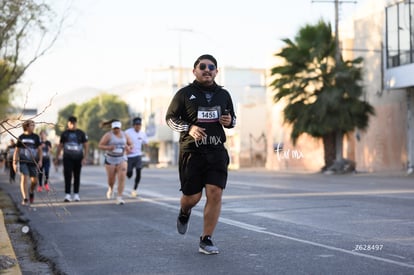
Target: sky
106, 43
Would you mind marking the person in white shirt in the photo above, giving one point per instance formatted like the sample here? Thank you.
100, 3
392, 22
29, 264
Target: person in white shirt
139, 140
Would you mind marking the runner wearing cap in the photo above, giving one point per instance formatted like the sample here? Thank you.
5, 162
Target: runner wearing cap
116, 144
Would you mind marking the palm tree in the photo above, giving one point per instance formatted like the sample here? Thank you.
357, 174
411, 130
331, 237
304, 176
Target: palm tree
322, 96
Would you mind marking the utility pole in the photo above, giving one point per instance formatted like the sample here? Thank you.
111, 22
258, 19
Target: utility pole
339, 135
180, 66
337, 53
176, 135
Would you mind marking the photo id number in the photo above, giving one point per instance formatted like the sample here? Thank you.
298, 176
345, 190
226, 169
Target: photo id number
368, 247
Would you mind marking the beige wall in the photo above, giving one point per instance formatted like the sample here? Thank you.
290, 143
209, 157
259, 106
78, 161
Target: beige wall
306, 155
252, 127
383, 147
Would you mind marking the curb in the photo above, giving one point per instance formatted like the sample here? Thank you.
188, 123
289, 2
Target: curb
6, 249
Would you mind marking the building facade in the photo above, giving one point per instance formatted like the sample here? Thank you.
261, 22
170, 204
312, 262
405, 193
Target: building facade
399, 68
382, 38
381, 33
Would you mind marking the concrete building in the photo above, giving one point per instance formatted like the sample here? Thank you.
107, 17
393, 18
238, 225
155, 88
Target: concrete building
398, 73
382, 33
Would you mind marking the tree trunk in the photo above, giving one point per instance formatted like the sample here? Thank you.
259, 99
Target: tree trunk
329, 147
339, 145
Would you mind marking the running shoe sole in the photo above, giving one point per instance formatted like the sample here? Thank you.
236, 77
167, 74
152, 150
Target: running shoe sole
209, 250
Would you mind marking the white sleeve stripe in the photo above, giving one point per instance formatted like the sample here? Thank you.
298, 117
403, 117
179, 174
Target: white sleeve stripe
177, 127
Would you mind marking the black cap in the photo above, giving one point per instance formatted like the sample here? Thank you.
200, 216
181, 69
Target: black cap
205, 56
137, 120
72, 119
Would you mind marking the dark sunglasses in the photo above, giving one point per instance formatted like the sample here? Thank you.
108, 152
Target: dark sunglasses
203, 66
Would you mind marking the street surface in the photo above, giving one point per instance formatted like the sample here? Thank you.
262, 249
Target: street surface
271, 223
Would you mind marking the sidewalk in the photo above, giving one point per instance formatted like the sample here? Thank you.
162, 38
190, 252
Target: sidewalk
8, 260
18, 254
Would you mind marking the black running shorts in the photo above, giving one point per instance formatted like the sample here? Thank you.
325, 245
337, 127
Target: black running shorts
198, 169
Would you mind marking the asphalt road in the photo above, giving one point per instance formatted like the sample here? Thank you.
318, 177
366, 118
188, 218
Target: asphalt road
271, 223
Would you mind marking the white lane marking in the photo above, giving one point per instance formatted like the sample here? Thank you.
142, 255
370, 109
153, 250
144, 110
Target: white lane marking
156, 197
319, 194
336, 249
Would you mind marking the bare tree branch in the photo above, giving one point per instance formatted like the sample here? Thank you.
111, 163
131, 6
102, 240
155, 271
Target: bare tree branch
18, 20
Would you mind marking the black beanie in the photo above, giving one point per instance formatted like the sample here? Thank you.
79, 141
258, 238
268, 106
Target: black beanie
205, 56
137, 120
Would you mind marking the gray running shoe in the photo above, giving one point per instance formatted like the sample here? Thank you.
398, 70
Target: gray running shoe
182, 222
207, 246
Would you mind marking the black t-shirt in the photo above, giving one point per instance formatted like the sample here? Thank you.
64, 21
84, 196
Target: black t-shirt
10, 152
28, 145
73, 141
46, 149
